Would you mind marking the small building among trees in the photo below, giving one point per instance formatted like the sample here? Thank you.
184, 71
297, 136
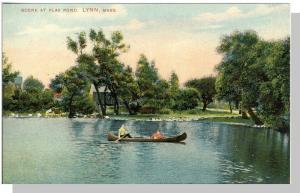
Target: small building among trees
104, 94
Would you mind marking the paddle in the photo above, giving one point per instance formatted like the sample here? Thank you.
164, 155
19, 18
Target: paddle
119, 139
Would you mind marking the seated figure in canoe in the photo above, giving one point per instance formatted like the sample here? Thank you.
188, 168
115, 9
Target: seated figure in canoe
122, 133
157, 135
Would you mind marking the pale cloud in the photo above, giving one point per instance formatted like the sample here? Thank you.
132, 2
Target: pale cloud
236, 13
48, 28
211, 27
131, 25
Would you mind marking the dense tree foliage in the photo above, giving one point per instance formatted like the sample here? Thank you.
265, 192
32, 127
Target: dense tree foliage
186, 99
206, 88
101, 67
253, 75
74, 87
33, 85
256, 73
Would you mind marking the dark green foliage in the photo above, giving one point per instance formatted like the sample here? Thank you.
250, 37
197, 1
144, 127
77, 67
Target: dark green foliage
101, 67
33, 85
154, 91
274, 91
7, 74
186, 99
256, 73
241, 50
56, 84
147, 77
75, 87
206, 88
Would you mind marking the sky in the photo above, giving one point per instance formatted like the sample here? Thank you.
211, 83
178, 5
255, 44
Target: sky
178, 37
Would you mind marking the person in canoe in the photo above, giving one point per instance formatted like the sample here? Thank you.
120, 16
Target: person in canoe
122, 133
157, 135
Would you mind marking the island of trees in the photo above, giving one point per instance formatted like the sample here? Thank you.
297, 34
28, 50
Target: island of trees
252, 78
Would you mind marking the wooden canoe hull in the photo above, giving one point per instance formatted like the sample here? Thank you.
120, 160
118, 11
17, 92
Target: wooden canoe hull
175, 139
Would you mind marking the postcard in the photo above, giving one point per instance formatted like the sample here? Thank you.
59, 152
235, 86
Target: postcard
146, 93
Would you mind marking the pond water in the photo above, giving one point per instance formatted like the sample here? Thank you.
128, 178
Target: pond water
60, 150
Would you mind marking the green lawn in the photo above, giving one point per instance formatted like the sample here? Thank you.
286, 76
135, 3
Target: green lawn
210, 115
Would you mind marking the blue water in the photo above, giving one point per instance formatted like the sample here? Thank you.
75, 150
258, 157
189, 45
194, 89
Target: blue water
60, 150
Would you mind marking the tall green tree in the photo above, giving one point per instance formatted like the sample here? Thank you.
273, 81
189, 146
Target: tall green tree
241, 51
32, 84
174, 83
256, 72
274, 95
147, 76
206, 88
153, 90
8, 87
101, 66
129, 90
7, 74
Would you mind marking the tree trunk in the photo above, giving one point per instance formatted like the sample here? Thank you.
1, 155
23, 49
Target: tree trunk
204, 105
103, 110
116, 104
240, 108
237, 104
254, 117
71, 113
104, 98
230, 107
128, 107
116, 101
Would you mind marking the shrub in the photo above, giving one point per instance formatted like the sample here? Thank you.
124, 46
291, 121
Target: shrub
186, 99
165, 111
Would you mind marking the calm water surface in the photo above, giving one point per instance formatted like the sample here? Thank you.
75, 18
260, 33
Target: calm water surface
60, 150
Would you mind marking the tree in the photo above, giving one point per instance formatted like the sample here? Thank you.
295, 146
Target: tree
101, 66
154, 93
147, 76
8, 86
33, 85
57, 83
7, 74
129, 91
256, 72
241, 51
226, 91
74, 86
173, 88
274, 92
186, 99
206, 88
174, 83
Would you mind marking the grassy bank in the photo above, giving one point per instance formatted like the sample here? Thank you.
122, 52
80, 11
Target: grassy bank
210, 115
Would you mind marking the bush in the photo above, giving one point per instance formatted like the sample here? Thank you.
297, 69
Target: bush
165, 111
186, 99
193, 111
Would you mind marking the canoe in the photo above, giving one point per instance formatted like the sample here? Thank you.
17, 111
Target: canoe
175, 139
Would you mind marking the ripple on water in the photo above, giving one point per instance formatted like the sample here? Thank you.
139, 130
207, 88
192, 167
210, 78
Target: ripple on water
77, 151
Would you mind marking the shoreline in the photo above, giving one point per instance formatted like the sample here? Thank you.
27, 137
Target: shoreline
228, 120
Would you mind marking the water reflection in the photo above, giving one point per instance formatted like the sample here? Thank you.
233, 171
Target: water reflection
77, 151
